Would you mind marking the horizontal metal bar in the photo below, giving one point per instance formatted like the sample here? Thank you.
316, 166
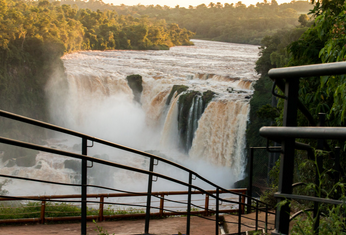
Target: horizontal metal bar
336, 68
116, 216
308, 198
109, 195
271, 147
278, 133
299, 213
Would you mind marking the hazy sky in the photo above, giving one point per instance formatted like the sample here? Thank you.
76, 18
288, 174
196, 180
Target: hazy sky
183, 3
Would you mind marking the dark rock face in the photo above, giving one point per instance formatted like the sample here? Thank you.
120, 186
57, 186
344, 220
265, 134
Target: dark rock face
135, 83
176, 88
191, 106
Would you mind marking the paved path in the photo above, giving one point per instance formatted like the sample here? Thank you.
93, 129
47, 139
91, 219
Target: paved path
171, 225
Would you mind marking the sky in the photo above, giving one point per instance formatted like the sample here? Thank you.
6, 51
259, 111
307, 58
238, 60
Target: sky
183, 3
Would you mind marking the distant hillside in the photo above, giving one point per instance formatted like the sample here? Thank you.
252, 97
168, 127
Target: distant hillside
229, 22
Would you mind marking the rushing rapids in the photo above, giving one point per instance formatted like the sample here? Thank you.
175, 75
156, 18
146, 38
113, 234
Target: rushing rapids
193, 108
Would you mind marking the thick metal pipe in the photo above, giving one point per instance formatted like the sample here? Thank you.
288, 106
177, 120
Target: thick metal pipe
239, 217
336, 68
249, 191
217, 212
189, 206
150, 186
281, 133
287, 157
84, 187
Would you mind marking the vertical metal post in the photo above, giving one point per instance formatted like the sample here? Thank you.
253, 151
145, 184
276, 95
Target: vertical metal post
150, 185
189, 206
43, 211
256, 227
206, 205
249, 190
243, 203
266, 220
282, 218
239, 216
162, 202
102, 199
217, 212
84, 187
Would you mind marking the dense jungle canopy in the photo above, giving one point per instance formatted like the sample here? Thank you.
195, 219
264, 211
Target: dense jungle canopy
229, 22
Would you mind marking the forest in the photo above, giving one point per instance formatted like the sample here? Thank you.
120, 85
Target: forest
235, 23
322, 40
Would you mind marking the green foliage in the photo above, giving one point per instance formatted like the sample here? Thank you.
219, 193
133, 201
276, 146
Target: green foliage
17, 210
176, 89
332, 221
273, 54
268, 112
324, 42
100, 230
225, 22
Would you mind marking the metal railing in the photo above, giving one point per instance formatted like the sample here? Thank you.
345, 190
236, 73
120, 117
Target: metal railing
153, 161
287, 80
42, 218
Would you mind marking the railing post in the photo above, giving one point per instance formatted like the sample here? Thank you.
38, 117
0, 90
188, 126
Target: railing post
206, 205
266, 220
102, 199
189, 206
43, 211
239, 216
243, 203
217, 212
256, 216
282, 218
162, 201
249, 190
84, 187
150, 185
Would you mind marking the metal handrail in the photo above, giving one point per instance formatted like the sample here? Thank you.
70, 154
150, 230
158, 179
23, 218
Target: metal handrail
84, 157
337, 68
101, 141
160, 195
287, 80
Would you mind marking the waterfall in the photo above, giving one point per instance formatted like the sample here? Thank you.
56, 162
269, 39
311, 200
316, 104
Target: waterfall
220, 138
193, 109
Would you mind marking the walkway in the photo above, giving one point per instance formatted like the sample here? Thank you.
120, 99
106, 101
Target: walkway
171, 225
